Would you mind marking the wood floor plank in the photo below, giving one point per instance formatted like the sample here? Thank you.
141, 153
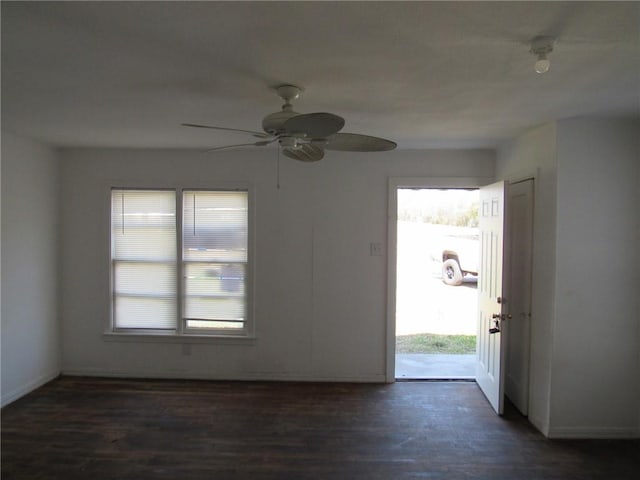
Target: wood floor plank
89, 428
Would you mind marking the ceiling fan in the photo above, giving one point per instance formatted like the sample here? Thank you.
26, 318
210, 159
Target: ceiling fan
304, 136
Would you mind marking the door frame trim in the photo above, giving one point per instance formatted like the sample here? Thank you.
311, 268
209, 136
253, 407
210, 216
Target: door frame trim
395, 183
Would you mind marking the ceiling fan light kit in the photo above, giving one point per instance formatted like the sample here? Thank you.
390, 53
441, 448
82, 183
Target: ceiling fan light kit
304, 137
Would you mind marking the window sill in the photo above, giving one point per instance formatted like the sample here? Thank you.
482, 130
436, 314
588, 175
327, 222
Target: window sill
172, 338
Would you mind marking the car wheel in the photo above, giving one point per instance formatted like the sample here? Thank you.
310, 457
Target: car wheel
451, 273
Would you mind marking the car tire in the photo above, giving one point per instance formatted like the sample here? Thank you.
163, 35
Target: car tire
451, 273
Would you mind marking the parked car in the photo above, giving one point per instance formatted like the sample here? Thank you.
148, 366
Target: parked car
460, 260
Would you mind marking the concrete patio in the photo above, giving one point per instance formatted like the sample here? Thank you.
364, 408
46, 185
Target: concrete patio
414, 366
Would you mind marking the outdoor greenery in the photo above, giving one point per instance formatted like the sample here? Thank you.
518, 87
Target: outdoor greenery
457, 208
431, 343
462, 218
452, 207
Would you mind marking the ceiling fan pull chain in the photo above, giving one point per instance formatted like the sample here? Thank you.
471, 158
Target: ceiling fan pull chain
278, 169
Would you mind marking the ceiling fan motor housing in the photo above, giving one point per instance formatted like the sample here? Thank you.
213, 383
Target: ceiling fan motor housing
272, 123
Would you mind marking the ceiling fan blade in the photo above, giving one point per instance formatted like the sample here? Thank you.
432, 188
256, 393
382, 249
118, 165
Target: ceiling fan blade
250, 132
305, 153
255, 144
354, 142
314, 125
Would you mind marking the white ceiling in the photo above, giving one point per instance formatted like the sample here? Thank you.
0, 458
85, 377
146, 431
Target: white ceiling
424, 74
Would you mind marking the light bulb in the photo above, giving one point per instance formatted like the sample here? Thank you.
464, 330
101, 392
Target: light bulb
543, 64
541, 46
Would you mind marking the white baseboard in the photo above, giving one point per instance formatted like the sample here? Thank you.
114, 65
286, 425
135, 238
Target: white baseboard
540, 424
28, 387
583, 433
250, 377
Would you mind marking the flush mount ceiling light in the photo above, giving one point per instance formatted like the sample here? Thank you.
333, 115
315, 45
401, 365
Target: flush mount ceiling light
541, 47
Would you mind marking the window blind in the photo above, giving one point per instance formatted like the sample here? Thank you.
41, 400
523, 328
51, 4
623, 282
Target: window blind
215, 241
143, 255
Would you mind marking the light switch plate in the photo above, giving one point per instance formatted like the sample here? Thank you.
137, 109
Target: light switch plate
375, 249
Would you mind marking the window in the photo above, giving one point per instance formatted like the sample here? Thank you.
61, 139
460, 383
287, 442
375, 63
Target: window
182, 274
214, 255
143, 259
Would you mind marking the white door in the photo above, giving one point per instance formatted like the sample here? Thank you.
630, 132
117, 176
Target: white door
518, 328
490, 360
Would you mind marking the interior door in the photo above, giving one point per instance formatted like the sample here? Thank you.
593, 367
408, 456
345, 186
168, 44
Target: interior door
490, 358
518, 329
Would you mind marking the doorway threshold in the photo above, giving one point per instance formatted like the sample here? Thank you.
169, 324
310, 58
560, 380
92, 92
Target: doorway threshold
437, 379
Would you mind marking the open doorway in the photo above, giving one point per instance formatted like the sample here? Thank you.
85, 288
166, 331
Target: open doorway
436, 283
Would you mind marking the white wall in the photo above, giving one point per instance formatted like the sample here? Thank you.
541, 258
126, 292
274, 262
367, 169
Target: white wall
534, 154
30, 327
320, 299
596, 375
585, 365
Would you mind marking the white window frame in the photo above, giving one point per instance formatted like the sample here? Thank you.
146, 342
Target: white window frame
182, 334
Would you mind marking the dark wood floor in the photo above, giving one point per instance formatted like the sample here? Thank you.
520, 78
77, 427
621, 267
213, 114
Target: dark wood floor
91, 429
